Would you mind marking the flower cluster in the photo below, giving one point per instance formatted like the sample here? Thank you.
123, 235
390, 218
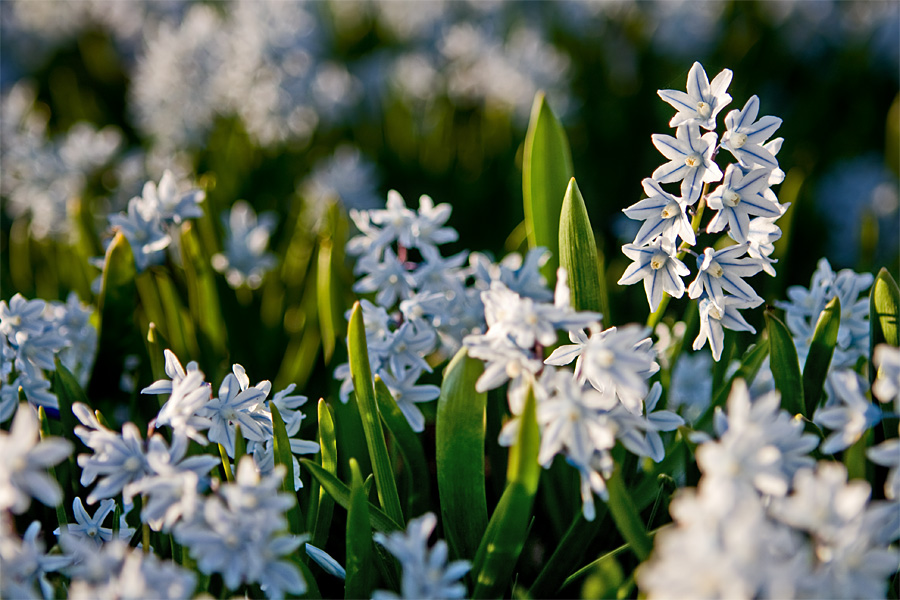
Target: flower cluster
150, 220
745, 192
33, 333
767, 521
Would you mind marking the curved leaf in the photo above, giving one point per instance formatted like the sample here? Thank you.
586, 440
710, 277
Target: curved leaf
368, 411
506, 532
284, 457
410, 449
578, 253
328, 450
459, 441
379, 520
546, 171
785, 365
884, 311
821, 349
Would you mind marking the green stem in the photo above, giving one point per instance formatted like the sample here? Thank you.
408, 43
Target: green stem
612, 553
624, 513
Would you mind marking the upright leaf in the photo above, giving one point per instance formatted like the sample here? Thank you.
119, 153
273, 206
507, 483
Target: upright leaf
459, 441
364, 389
499, 550
578, 253
324, 288
328, 450
203, 297
785, 365
410, 449
821, 349
360, 576
68, 391
546, 171
116, 310
283, 456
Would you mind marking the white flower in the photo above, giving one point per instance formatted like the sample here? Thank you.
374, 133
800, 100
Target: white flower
234, 406
739, 197
746, 135
426, 574
714, 318
723, 271
658, 267
143, 228
406, 393
245, 260
703, 99
690, 160
761, 238
662, 213
23, 470
848, 413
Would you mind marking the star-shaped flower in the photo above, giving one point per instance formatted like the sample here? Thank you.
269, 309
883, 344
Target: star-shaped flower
723, 271
745, 135
690, 160
662, 213
737, 198
703, 100
714, 318
658, 267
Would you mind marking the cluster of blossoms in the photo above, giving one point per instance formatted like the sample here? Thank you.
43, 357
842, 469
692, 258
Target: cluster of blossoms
745, 192
767, 521
245, 260
33, 333
151, 218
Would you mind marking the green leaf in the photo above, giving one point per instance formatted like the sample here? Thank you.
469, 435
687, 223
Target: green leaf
116, 311
578, 537
626, 516
226, 464
179, 327
410, 449
502, 543
325, 297
68, 391
328, 451
360, 577
363, 386
785, 365
604, 579
240, 445
284, 457
379, 520
884, 311
821, 349
578, 253
459, 441
203, 297
546, 171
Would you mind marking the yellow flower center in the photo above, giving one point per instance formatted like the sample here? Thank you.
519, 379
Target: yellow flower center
738, 140
715, 269
704, 109
693, 160
670, 210
731, 198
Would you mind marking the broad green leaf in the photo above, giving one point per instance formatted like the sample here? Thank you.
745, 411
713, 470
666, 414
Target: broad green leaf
379, 520
410, 449
203, 297
821, 349
884, 311
546, 171
459, 441
328, 451
785, 365
116, 317
284, 457
364, 388
578, 253
502, 543
360, 577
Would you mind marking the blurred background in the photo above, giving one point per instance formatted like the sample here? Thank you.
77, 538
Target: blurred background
292, 106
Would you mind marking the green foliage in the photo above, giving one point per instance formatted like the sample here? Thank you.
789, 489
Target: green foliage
368, 410
504, 538
459, 455
360, 577
785, 365
821, 349
328, 452
578, 254
546, 171
339, 491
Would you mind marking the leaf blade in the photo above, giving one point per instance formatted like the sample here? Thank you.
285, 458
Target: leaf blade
821, 350
785, 365
578, 253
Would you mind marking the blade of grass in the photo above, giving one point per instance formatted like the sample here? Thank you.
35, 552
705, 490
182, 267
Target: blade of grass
821, 349
360, 577
785, 365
